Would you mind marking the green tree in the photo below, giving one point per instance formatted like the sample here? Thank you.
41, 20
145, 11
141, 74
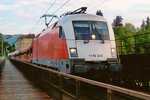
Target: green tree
143, 45
143, 25
129, 42
129, 28
12, 49
124, 38
132, 40
0, 43
6, 46
119, 35
147, 23
119, 31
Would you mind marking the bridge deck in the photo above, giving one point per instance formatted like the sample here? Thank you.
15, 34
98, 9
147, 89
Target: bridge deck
15, 86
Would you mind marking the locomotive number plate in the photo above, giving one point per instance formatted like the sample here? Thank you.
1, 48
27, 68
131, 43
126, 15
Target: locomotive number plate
95, 55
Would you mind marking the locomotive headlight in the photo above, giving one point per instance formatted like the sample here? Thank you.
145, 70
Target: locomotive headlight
73, 52
93, 36
113, 52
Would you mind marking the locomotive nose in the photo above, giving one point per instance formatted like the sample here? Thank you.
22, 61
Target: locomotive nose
94, 50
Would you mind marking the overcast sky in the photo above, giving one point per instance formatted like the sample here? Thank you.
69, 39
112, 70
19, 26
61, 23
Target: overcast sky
19, 16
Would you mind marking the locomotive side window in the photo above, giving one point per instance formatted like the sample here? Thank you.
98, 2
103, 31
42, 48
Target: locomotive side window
90, 30
61, 33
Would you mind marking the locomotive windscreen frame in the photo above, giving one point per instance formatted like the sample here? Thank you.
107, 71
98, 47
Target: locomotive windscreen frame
91, 30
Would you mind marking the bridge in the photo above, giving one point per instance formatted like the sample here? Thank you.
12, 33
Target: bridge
15, 86
24, 81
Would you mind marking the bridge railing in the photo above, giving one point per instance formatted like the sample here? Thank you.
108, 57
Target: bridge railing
62, 86
135, 44
2, 61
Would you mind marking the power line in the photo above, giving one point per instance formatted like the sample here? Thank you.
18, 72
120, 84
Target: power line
39, 25
40, 18
101, 3
34, 26
50, 7
61, 6
58, 10
52, 15
54, 12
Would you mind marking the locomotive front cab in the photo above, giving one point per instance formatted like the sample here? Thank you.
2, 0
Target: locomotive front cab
92, 37
90, 42
93, 43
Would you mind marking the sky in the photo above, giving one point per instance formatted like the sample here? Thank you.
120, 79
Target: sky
23, 16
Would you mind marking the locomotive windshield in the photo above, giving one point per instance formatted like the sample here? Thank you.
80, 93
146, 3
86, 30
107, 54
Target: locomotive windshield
90, 30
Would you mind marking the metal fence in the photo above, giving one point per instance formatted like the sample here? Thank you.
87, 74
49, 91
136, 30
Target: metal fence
62, 86
2, 61
135, 44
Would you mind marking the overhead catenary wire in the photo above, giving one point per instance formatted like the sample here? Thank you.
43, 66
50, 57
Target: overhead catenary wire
101, 3
39, 25
34, 26
52, 14
50, 7
58, 10
61, 6
31, 30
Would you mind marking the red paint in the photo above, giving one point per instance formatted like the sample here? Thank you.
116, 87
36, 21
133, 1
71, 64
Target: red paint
50, 46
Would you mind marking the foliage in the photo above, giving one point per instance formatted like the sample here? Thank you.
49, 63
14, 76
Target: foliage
131, 40
6, 46
129, 28
118, 21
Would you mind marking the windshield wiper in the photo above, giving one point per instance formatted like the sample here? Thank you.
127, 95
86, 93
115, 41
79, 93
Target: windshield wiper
101, 36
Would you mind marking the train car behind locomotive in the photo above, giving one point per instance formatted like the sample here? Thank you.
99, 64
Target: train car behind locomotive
77, 42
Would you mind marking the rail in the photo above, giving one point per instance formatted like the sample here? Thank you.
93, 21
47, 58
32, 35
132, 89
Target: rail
64, 86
